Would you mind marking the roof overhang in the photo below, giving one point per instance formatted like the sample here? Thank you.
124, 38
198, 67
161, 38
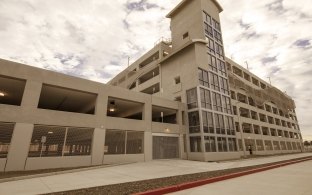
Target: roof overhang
184, 2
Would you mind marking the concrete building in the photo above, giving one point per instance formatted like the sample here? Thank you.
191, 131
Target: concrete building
182, 99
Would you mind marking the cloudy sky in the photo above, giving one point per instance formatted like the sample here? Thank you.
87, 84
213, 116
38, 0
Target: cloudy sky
92, 38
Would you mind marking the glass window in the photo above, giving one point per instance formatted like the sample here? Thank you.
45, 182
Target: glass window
211, 45
207, 18
220, 129
205, 98
194, 125
226, 104
240, 144
219, 104
216, 24
219, 51
222, 144
212, 63
214, 81
224, 86
208, 122
191, 98
216, 101
217, 36
232, 144
221, 67
203, 77
195, 144
210, 144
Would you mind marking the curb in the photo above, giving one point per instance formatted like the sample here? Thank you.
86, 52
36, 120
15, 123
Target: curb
193, 184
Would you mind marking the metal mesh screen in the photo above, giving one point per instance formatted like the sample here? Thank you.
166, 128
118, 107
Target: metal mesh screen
268, 145
165, 147
135, 142
260, 146
78, 141
115, 142
60, 141
270, 94
6, 131
289, 146
124, 142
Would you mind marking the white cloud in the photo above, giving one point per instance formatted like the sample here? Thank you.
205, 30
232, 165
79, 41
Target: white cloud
277, 25
92, 38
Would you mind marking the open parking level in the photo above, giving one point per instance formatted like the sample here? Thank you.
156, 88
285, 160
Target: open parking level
128, 173
287, 180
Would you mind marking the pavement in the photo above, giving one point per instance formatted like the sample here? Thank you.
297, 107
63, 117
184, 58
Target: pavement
293, 179
128, 173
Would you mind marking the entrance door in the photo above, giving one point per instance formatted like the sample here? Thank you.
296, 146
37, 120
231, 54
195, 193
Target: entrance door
165, 147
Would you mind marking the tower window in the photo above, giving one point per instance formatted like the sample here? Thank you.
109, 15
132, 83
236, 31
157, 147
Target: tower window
177, 80
185, 35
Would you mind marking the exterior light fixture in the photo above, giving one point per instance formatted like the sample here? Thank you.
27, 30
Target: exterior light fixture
167, 130
1, 94
112, 106
50, 132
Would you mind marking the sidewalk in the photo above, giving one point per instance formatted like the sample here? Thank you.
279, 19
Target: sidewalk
126, 173
288, 180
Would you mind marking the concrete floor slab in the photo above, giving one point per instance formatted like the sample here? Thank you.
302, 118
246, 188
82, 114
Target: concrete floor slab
127, 173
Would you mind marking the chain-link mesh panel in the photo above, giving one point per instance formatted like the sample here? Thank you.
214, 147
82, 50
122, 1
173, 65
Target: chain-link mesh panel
260, 146
6, 131
60, 141
165, 147
268, 145
260, 96
78, 141
115, 142
135, 142
47, 141
294, 145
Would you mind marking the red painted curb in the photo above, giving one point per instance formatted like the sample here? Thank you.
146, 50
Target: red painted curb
192, 184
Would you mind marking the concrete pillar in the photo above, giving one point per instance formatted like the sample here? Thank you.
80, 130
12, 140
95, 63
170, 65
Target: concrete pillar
148, 146
147, 112
19, 147
98, 146
31, 94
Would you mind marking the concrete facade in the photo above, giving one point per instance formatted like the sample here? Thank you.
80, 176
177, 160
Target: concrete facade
173, 102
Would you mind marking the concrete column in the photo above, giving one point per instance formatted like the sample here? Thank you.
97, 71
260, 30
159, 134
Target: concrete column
98, 146
19, 147
181, 146
148, 146
101, 109
31, 94
147, 111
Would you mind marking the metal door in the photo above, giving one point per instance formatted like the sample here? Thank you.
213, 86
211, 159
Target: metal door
165, 147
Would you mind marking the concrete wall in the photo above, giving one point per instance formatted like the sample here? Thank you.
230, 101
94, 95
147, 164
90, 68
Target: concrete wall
2, 164
187, 20
28, 114
217, 156
122, 158
57, 162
